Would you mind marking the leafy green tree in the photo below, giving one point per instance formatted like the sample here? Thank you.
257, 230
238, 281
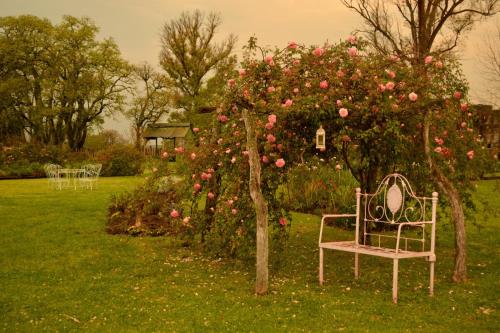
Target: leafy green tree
60, 79
27, 55
193, 60
93, 78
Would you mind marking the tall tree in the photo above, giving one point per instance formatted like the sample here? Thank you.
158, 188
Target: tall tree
60, 80
490, 64
191, 58
27, 58
93, 78
150, 100
414, 30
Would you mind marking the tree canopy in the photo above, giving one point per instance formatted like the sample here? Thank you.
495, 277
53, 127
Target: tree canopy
60, 78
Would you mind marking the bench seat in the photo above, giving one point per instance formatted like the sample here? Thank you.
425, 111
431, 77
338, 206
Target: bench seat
350, 246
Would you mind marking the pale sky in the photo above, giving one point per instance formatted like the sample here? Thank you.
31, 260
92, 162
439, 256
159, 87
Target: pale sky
135, 25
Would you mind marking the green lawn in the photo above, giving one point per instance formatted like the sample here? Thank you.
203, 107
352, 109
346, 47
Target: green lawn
60, 271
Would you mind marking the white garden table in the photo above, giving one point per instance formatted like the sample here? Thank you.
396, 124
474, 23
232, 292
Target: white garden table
70, 176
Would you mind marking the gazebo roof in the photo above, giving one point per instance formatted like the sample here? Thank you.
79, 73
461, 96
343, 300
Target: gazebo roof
167, 131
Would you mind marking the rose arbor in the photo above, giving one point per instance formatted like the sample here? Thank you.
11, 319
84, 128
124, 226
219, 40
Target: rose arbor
368, 107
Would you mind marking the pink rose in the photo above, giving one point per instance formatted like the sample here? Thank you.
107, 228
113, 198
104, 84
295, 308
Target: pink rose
231, 83
280, 163
389, 85
464, 107
269, 60
438, 64
175, 214
271, 89
223, 118
323, 84
339, 103
343, 112
292, 45
338, 167
270, 138
412, 96
287, 71
340, 73
470, 154
234, 211
439, 141
197, 187
296, 62
164, 154
438, 150
279, 146
283, 221
394, 58
463, 124
457, 95
288, 103
265, 159
192, 156
242, 72
179, 150
210, 195
381, 87
295, 90
204, 176
352, 39
245, 153
390, 73
318, 52
428, 59
269, 126
352, 51
196, 129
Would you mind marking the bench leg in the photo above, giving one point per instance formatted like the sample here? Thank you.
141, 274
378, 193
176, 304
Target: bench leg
320, 266
431, 284
395, 282
356, 265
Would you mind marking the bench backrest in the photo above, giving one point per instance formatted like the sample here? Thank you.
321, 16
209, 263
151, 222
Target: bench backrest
393, 203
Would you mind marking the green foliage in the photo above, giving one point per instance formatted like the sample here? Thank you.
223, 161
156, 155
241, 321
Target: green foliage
59, 80
320, 187
120, 160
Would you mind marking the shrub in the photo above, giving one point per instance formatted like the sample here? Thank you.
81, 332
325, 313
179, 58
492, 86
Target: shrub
120, 160
147, 210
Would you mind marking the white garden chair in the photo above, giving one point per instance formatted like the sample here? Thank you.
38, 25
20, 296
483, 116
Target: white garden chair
89, 176
53, 177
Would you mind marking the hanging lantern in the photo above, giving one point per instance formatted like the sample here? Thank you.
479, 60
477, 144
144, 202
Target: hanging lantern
320, 138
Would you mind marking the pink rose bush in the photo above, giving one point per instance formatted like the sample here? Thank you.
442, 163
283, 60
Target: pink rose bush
362, 100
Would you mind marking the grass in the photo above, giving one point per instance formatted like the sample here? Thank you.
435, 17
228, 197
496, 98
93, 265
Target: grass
59, 271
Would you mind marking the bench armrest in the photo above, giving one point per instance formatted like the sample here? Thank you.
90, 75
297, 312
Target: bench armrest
334, 216
411, 224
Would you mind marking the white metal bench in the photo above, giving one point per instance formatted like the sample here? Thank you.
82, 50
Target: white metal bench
401, 220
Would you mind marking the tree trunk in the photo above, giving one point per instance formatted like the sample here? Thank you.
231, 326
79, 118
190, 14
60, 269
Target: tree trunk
138, 138
262, 273
457, 212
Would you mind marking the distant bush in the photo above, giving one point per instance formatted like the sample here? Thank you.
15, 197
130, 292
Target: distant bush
27, 160
120, 160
